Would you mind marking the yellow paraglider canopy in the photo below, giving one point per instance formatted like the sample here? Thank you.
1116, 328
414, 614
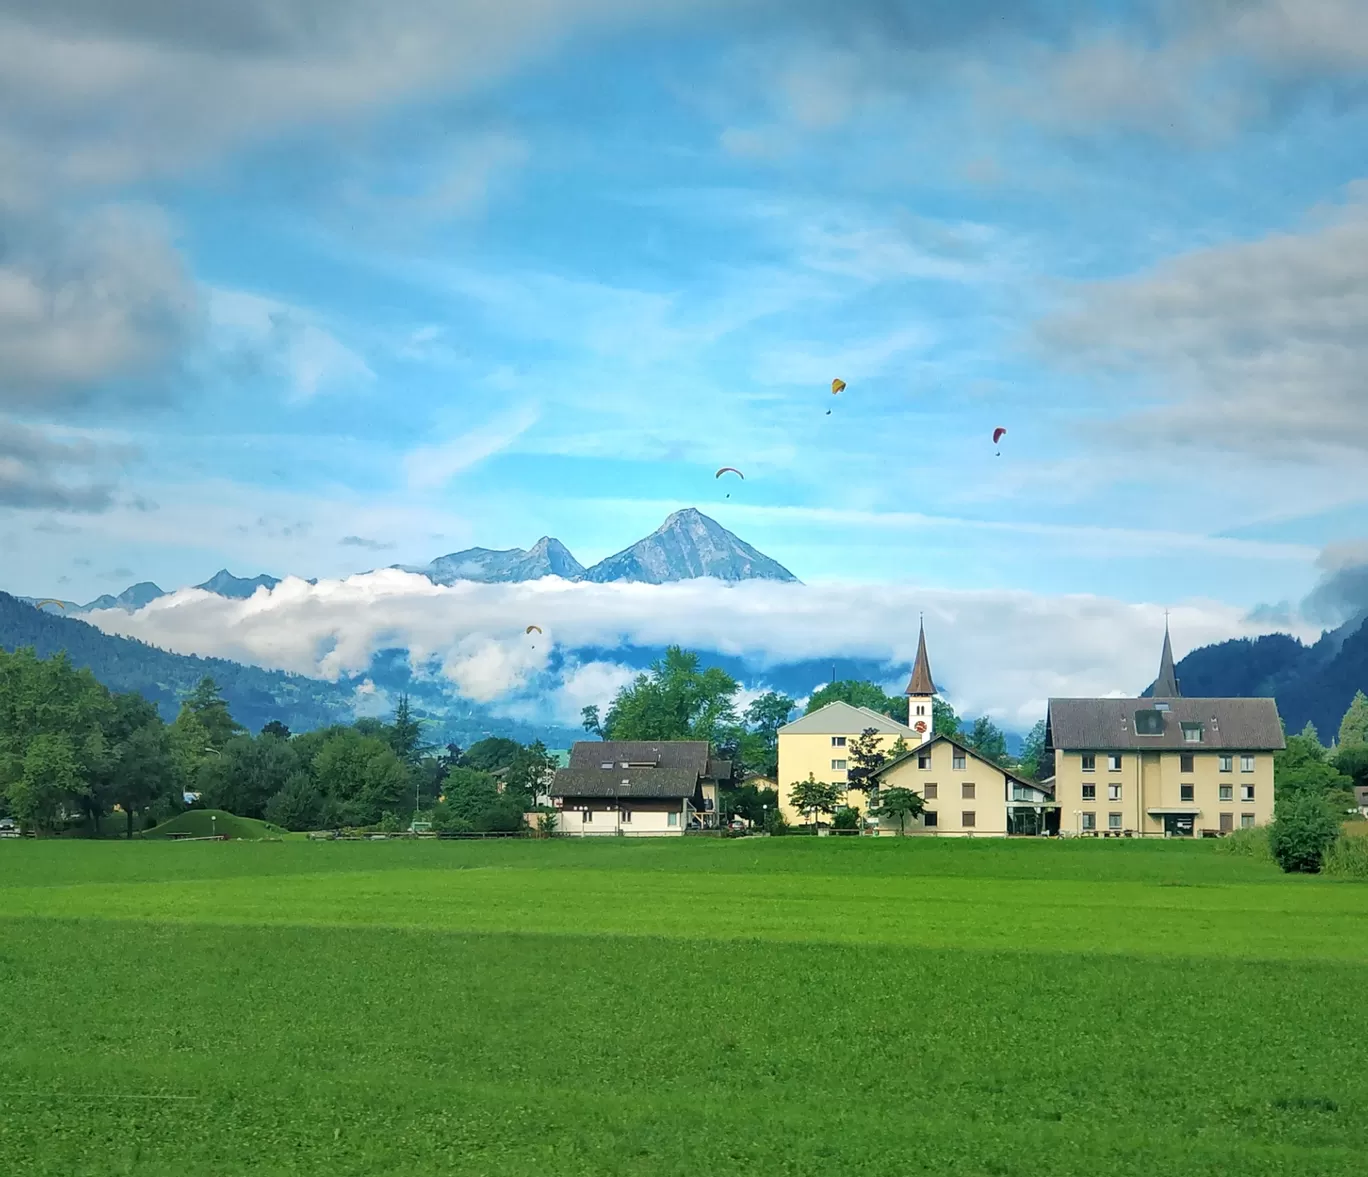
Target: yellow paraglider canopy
837, 386
530, 628
40, 604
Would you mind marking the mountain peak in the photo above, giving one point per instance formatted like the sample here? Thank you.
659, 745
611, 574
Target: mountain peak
547, 557
687, 546
224, 584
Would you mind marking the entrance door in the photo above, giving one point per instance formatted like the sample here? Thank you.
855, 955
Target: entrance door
1179, 825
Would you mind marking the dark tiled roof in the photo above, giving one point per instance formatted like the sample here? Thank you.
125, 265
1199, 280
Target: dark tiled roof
690, 755
719, 770
1109, 724
921, 683
640, 782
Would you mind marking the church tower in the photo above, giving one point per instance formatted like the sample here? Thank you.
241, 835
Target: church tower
1166, 685
921, 691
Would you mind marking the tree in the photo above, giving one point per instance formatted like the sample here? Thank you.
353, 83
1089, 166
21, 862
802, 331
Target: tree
298, 805
760, 745
50, 776
361, 778
1353, 729
814, 797
1033, 753
752, 803
406, 734
676, 700
1302, 767
986, 738
208, 706
899, 803
244, 777
944, 721
493, 752
527, 775
143, 771
864, 758
1353, 763
277, 729
858, 693
590, 721
1303, 830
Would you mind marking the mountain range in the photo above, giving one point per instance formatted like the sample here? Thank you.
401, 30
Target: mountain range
687, 546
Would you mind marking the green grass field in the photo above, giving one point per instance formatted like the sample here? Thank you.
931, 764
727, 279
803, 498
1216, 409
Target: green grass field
205, 823
756, 1006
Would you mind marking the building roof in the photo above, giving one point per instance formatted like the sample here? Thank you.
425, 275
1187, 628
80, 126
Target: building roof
1237, 725
626, 783
1046, 787
844, 719
1166, 685
921, 682
690, 755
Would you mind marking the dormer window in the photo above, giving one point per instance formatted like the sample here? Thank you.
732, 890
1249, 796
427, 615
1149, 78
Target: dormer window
606, 764
1192, 733
1149, 722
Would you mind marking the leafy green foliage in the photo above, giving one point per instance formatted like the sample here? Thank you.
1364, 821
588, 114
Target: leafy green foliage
760, 744
899, 804
489, 754
858, 693
1353, 729
847, 817
814, 797
1304, 828
1347, 858
750, 802
986, 738
1304, 769
1031, 763
676, 700
864, 757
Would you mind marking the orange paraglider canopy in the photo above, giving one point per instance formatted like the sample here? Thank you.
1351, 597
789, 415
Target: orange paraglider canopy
837, 386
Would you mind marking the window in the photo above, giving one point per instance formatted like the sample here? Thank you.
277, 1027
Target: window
627, 817
1246, 821
1192, 733
1149, 722
1090, 792
1185, 762
1184, 792
1113, 821
838, 741
1227, 822
1246, 792
1090, 821
958, 761
672, 819
967, 819
1227, 762
1114, 762
924, 761
1089, 762
921, 708
967, 791
588, 816
930, 791
606, 764
929, 819
1023, 793
838, 766
1227, 792
1246, 763
1113, 792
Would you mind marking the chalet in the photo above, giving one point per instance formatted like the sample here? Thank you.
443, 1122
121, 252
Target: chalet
638, 787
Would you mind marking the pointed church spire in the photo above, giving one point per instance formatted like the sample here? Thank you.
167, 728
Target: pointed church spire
1166, 685
921, 682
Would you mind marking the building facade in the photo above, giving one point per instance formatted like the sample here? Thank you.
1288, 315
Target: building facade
966, 795
1163, 766
637, 788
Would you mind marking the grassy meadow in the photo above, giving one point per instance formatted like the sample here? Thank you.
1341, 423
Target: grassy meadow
756, 1006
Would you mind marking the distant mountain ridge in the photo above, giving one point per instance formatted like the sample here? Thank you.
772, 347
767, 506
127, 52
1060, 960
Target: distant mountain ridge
687, 546
1312, 684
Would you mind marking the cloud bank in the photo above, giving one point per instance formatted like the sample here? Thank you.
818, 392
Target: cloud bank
994, 652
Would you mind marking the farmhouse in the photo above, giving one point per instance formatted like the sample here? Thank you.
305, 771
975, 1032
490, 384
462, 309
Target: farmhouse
1165, 765
966, 795
639, 787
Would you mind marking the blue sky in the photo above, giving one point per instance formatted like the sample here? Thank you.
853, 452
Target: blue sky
298, 295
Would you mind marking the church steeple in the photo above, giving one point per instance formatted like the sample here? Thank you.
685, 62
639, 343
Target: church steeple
921, 690
1166, 685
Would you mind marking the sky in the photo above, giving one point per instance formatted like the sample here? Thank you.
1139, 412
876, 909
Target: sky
314, 287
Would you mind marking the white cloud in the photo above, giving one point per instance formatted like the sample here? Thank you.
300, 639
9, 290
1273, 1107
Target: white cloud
1000, 653
430, 467
285, 341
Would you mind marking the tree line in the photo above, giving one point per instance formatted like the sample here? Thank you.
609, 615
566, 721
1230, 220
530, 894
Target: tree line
75, 755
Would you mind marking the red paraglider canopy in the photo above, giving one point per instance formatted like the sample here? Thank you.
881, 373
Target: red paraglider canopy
998, 434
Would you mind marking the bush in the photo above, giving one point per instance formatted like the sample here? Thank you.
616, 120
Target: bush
1303, 831
846, 819
1347, 858
1251, 843
775, 822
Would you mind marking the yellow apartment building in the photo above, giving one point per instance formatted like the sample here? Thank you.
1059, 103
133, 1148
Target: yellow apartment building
1165, 766
966, 795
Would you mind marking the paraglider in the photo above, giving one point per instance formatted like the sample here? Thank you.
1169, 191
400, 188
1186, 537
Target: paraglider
837, 386
732, 470
530, 628
59, 604
998, 434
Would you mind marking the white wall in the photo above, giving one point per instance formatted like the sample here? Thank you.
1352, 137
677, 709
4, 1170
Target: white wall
643, 823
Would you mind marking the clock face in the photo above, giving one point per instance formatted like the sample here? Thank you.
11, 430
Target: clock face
919, 726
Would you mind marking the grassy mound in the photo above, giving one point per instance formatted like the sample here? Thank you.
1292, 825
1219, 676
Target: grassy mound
204, 823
